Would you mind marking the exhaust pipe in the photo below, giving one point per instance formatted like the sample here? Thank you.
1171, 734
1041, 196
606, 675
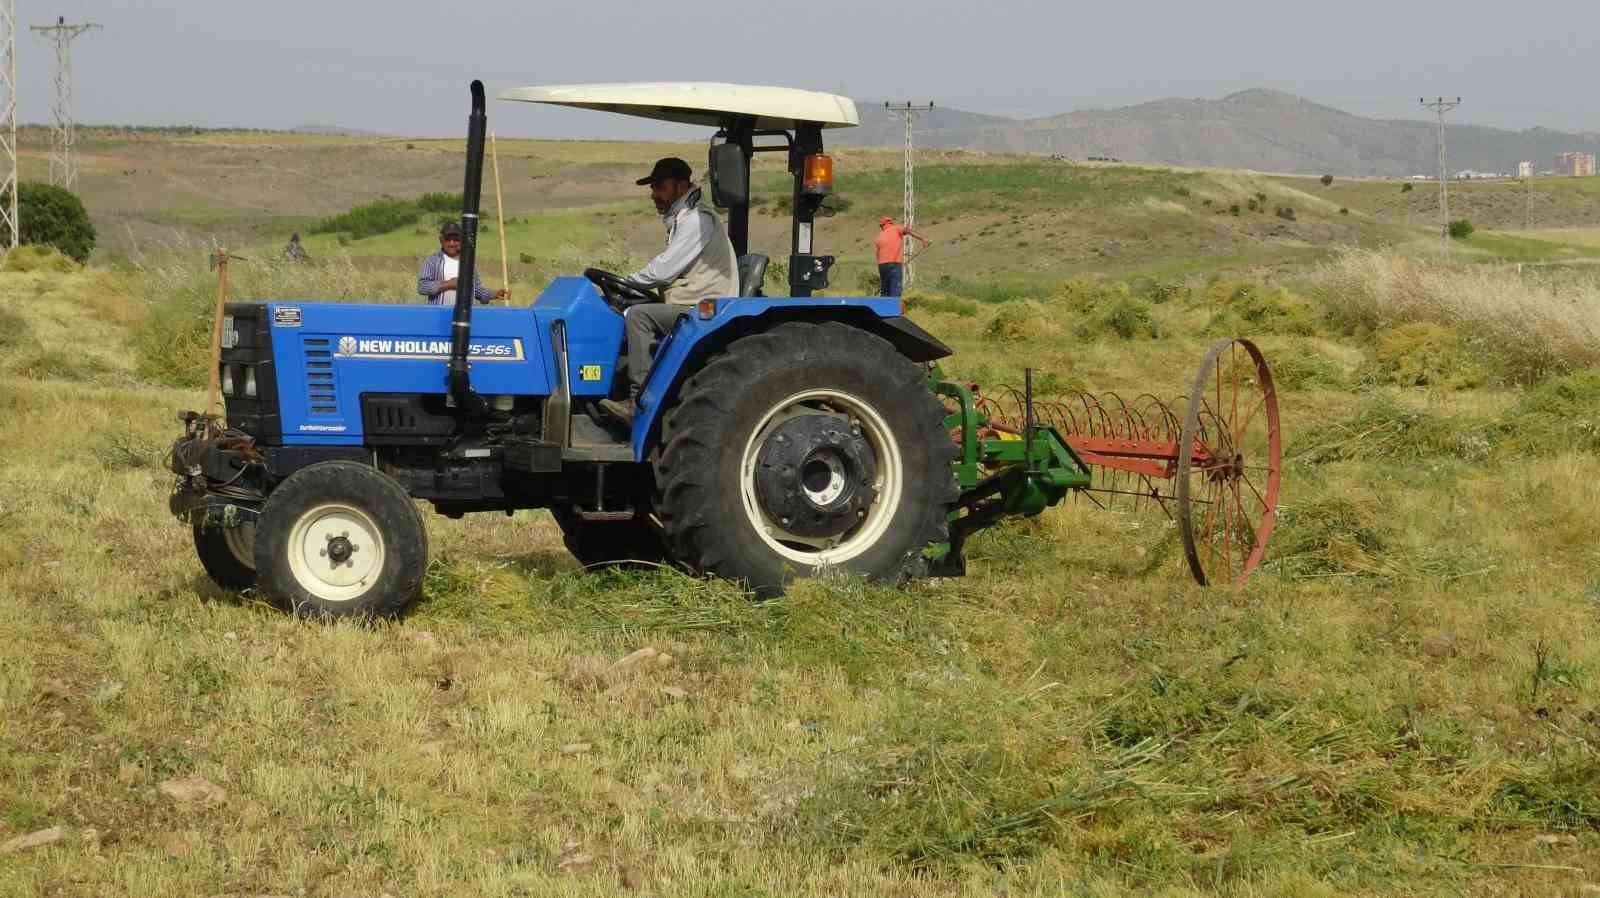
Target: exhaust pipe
467, 401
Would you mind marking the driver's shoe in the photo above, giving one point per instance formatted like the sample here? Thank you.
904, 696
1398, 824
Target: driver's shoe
622, 410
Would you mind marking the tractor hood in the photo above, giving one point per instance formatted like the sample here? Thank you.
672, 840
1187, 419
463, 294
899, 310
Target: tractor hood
700, 102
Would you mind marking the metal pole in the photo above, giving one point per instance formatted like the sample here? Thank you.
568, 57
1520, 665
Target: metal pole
908, 216
8, 127
1440, 107
63, 170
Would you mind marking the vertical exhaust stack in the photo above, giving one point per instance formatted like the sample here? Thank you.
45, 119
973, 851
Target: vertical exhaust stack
467, 401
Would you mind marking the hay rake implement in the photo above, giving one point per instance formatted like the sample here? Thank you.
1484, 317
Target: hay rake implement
1213, 470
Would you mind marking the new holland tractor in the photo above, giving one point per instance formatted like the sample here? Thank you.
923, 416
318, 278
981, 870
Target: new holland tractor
775, 436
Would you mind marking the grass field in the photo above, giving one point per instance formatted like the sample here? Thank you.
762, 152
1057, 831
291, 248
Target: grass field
1401, 702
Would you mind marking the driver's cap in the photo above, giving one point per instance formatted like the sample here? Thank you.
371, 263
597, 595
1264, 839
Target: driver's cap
670, 167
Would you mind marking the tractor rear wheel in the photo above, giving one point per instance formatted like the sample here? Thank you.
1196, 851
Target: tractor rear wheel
805, 447
341, 539
227, 554
609, 543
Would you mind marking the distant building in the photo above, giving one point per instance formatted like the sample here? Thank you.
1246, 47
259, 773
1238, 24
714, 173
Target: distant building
1524, 169
1576, 165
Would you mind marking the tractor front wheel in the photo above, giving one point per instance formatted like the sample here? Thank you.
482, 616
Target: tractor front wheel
227, 554
801, 448
341, 539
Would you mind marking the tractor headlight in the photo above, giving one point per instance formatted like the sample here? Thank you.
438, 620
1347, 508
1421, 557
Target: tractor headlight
227, 380
250, 382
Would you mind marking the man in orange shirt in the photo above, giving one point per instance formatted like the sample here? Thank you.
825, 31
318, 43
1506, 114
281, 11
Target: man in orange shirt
890, 243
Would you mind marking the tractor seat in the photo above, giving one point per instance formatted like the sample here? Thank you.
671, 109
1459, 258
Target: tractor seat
752, 270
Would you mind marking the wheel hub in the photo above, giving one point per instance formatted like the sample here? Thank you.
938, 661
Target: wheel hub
814, 475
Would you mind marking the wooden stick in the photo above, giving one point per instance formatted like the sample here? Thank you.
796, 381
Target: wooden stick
500, 206
219, 262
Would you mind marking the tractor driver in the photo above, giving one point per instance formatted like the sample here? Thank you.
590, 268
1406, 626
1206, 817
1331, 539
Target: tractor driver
697, 264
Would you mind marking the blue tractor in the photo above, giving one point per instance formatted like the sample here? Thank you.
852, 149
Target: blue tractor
775, 437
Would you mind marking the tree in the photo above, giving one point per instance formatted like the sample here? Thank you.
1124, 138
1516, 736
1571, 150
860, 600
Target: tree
51, 216
1460, 229
1326, 180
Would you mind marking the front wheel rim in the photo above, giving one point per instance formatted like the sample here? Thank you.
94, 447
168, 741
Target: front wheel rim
888, 485
336, 552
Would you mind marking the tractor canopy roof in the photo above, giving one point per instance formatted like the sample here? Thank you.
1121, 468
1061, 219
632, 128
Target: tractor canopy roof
700, 102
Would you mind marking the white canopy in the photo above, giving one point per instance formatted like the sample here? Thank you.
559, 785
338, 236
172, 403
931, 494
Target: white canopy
699, 102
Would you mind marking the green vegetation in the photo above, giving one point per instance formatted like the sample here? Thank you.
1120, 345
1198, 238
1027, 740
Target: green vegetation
388, 214
1460, 229
51, 216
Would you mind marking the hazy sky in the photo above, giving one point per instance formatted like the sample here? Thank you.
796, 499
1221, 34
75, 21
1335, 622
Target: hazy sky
402, 66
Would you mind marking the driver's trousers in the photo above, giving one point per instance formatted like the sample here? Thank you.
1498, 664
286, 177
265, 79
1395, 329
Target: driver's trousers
646, 323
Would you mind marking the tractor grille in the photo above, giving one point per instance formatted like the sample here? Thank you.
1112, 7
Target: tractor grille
321, 398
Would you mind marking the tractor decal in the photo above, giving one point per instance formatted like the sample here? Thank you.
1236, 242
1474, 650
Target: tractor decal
490, 350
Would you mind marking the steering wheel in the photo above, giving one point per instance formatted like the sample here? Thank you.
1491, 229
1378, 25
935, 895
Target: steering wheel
620, 293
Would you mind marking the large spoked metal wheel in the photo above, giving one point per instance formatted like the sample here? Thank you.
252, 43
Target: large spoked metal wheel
1229, 462
341, 539
228, 554
801, 448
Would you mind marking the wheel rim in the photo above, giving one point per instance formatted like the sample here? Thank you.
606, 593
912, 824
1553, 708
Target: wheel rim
336, 552
241, 541
1229, 462
819, 479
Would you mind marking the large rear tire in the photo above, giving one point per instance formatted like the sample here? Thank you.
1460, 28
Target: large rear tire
801, 448
227, 554
341, 539
599, 544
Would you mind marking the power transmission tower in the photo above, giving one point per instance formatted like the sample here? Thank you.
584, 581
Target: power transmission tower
63, 170
8, 125
908, 112
1440, 107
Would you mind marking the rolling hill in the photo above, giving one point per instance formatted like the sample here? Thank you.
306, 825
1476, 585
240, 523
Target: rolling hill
1260, 129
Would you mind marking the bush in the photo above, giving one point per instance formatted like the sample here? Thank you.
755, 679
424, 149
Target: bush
1343, 211
1182, 191
1424, 354
39, 258
1460, 229
1245, 308
387, 214
51, 216
526, 258
1014, 321
1233, 209
1326, 180
1127, 318
1286, 213
1406, 187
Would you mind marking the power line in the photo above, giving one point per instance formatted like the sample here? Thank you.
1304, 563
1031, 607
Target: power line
8, 125
1440, 107
63, 169
908, 112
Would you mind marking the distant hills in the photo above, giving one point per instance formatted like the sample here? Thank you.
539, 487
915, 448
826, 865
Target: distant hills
1260, 129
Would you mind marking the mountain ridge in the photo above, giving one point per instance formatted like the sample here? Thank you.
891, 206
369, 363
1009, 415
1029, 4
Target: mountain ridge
1258, 128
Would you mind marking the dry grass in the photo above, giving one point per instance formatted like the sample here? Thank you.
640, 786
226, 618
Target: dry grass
1534, 328
1402, 703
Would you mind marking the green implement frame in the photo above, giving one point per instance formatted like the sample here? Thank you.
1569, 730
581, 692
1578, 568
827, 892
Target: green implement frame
1001, 476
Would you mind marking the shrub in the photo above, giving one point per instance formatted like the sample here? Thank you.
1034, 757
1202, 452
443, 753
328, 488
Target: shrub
526, 258
1182, 191
1286, 213
51, 216
1233, 209
1343, 211
39, 258
1261, 197
1017, 321
1326, 180
1424, 354
1406, 187
1460, 229
1242, 307
387, 214
1127, 318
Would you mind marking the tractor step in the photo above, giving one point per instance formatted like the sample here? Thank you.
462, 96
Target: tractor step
625, 515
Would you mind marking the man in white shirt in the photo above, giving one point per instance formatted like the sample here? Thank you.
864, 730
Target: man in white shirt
437, 279
698, 263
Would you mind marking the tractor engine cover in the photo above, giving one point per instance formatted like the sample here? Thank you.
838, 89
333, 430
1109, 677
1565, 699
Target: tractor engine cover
815, 474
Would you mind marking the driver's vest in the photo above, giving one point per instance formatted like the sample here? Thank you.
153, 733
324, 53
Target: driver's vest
714, 274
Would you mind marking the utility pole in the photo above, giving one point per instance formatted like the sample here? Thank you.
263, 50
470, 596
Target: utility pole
63, 170
8, 126
1440, 107
908, 112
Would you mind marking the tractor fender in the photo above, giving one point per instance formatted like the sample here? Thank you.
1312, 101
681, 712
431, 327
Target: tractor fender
694, 338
